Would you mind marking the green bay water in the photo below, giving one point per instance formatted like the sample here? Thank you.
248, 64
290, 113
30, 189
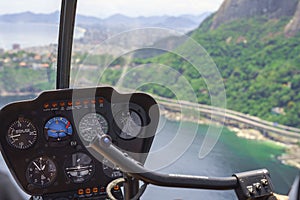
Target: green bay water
231, 154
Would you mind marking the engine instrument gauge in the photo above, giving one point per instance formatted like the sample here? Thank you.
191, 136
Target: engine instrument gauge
91, 125
41, 171
79, 167
21, 134
110, 170
58, 128
130, 124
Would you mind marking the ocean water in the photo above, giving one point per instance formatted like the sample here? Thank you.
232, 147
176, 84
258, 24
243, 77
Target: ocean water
31, 34
230, 155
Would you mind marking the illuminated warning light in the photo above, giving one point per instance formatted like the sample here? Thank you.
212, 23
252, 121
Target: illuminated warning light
101, 100
46, 105
77, 103
54, 105
70, 103
95, 190
80, 192
85, 102
93, 101
88, 190
116, 187
62, 104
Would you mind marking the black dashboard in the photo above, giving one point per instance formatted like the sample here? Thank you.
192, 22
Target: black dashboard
43, 141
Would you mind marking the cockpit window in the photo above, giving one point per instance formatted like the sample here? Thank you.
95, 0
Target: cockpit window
28, 48
170, 48
224, 72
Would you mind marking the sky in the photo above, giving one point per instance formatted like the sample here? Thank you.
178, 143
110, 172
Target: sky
105, 8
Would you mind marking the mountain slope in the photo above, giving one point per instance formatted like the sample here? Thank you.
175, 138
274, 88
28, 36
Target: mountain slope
260, 66
293, 26
237, 9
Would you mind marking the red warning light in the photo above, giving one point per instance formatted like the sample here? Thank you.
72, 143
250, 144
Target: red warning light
85, 102
116, 187
101, 100
95, 190
88, 190
54, 105
77, 103
80, 192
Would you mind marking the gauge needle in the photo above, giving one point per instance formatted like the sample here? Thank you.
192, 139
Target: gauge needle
86, 129
37, 166
13, 136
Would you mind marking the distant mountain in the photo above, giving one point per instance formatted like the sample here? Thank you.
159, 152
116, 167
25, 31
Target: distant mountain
272, 9
255, 44
117, 21
29, 17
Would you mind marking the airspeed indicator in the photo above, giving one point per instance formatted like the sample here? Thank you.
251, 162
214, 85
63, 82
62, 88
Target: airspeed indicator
21, 134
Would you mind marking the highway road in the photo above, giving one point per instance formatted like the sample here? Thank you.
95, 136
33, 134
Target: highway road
285, 134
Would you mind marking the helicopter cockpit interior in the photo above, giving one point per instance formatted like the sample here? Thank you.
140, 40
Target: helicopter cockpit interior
92, 143
43, 149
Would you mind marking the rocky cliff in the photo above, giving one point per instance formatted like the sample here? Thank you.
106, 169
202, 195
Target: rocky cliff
293, 26
237, 9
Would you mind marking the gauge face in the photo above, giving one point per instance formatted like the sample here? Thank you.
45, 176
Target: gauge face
91, 125
79, 167
41, 171
130, 124
22, 134
110, 169
58, 128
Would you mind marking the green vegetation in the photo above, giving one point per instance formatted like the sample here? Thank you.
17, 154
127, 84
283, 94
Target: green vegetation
259, 66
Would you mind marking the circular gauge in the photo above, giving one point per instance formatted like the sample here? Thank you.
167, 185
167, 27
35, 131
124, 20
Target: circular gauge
41, 171
58, 128
91, 125
79, 167
130, 124
110, 169
21, 134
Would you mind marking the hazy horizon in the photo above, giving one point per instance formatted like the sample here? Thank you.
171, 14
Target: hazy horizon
113, 14
130, 8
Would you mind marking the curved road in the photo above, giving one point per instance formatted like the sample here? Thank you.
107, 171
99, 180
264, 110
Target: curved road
286, 134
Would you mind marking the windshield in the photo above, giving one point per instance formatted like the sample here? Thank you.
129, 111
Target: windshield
226, 77
28, 51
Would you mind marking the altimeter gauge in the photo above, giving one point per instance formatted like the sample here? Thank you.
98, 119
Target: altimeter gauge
21, 134
91, 125
41, 171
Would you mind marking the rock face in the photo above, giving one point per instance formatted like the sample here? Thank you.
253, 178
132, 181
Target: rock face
293, 27
236, 9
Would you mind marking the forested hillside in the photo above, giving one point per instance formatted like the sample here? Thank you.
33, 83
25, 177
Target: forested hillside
260, 67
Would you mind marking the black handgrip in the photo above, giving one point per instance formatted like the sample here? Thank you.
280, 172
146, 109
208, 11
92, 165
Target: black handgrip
103, 146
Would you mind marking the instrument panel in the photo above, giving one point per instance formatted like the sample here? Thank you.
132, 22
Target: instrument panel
43, 140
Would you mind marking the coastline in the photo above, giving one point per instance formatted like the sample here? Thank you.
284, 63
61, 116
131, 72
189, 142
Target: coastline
17, 94
290, 157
